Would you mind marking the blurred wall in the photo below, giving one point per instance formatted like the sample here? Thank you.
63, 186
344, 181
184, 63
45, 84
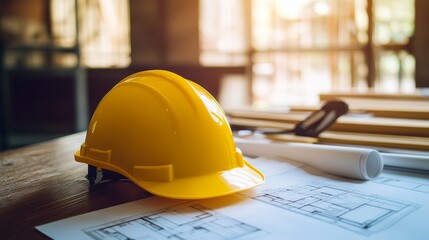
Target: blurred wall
164, 35
421, 44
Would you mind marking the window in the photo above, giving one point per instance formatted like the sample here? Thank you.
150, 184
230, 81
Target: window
223, 30
298, 49
104, 32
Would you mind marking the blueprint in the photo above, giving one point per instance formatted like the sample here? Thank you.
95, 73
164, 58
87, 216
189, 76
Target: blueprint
406, 184
296, 201
188, 221
359, 212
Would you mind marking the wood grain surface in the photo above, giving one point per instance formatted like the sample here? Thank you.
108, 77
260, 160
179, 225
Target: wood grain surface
42, 183
336, 137
373, 125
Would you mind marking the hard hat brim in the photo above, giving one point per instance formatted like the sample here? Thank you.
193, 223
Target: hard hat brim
196, 187
207, 186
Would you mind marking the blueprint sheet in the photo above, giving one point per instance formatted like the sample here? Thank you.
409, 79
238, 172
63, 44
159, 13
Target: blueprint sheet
295, 202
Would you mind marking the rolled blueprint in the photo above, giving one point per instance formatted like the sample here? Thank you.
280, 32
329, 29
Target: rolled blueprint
360, 163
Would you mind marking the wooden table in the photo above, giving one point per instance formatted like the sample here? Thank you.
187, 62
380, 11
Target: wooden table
42, 183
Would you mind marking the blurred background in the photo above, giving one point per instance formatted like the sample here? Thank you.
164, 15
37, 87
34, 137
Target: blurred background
60, 57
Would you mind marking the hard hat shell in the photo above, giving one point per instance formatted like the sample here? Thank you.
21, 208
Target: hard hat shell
169, 136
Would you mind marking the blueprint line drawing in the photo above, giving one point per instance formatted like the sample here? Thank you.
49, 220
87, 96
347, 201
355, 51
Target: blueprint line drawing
355, 211
189, 221
414, 186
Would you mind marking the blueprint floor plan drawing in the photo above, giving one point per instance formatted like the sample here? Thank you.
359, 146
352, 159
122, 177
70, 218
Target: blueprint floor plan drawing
178, 222
359, 212
414, 186
295, 202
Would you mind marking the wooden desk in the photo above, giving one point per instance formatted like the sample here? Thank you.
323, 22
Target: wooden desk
42, 183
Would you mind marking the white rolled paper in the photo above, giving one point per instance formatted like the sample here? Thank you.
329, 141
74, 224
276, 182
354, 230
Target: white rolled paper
353, 162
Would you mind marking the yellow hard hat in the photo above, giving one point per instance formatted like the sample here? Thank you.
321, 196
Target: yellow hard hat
169, 136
